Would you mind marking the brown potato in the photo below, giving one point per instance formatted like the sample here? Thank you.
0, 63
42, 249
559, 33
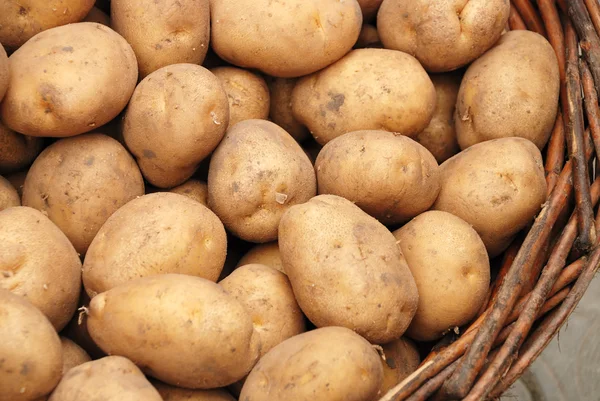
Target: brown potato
281, 107
368, 89
257, 173
170, 393
193, 334
69, 80
193, 189
97, 15
368, 37
73, 355
4, 72
401, 359
17, 151
264, 254
79, 182
443, 35
510, 91
182, 101
369, 8
9, 197
163, 32
30, 350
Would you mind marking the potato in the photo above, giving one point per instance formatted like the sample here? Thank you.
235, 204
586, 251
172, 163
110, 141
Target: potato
166, 233
109, 378
193, 189
346, 269
368, 37
183, 330
331, 363
9, 197
73, 355
176, 118
401, 359
39, 263
17, 151
79, 182
264, 254
30, 350
170, 393
369, 8
247, 93
4, 72
97, 15
69, 80
77, 329
257, 173
163, 32
510, 91
443, 35
352, 166
449, 262
284, 39
368, 89
440, 135
496, 186
281, 107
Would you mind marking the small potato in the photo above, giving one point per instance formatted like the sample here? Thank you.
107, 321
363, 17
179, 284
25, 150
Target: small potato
257, 173
9, 197
368, 89
193, 189
73, 355
281, 107
368, 37
97, 15
183, 330
346, 269
163, 32
264, 254
496, 186
170, 393
352, 166
4, 72
68, 80
445, 34
30, 350
510, 91
331, 363
401, 359
109, 378
17, 151
176, 118
79, 182
369, 8
293, 38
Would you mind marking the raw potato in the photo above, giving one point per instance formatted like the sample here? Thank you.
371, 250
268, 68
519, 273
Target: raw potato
369, 8
284, 39
193, 189
166, 233
352, 166
97, 15
257, 173
170, 393
368, 89
38, 262
4, 72
193, 334
30, 351
17, 151
264, 254
109, 378
73, 355
449, 262
247, 93
331, 363
496, 186
281, 107
512, 90
443, 35
346, 269
9, 197
368, 37
79, 182
163, 32
176, 118
401, 359
70, 88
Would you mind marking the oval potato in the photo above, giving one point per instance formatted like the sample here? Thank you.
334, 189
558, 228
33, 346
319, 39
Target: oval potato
73, 355
9, 197
368, 37
193, 189
4, 72
264, 254
281, 107
171, 393
401, 359
17, 151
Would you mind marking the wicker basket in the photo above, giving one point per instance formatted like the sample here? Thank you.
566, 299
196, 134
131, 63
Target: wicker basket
544, 275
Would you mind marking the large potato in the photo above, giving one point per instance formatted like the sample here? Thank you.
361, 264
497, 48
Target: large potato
257, 173
284, 38
176, 118
17, 151
512, 90
346, 269
368, 89
30, 351
166, 233
496, 186
4, 73
280, 112
264, 254
73, 355
193, 189
39, 263
401, 359
170, 393
79, 182
389, 176
183, 330
9, 197
163, 32
331, 363
69, 80
445, 34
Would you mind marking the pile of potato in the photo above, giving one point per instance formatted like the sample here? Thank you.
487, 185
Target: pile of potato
268, 200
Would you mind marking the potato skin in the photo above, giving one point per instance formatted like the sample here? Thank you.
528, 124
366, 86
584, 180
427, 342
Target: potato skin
351, 166
317, 365
329, 29
257, 172
171, 393
280, 112
401, 359
71, 88
163, 32
30, 349
346, 269
17, 151
193, 189
496, 186
9, 197
510, 91
443, 35
196, 309
264, 254
368, 37
368, 89
73, 355
4, 72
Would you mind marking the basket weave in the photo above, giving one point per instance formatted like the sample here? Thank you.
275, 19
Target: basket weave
544, 275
